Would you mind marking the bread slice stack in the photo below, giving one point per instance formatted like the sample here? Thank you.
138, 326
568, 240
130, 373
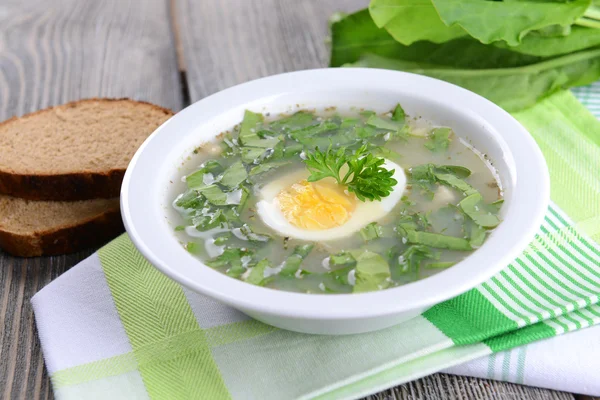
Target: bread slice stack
61, 170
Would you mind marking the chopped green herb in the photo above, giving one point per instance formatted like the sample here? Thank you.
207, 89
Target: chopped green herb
474, 207
222, 238
439, 139
232, 257
457, 183
476, 234
249, 124
367, 113
205, 174
292, 263
409, 259
190, 200
381, 123
446, 264
245, 232
259, 169
341, 275
461, 172
193, 248
298, 120
210, 219
371, 231
372, 272
438, 241
366, 177
399, 115
234, 175
251, 155
342, 258
214, 195
446, 174
179, 228
303, 133
257, 273
243, 199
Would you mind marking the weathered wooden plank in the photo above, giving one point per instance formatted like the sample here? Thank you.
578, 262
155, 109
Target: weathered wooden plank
232, 41
50, 53
228, 42
449, 387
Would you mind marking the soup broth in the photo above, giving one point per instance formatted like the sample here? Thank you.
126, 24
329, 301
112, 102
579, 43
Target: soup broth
328, 203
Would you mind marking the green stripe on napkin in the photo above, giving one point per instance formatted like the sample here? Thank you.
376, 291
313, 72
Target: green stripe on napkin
569, 137
171, 350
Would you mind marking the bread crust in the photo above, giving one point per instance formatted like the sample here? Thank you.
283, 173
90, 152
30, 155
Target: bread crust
82, 185
63, 187
92, 232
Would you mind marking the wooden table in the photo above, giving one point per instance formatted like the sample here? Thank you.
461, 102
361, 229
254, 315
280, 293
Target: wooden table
170, 53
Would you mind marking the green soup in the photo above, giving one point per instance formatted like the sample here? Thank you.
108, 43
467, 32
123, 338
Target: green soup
328, 203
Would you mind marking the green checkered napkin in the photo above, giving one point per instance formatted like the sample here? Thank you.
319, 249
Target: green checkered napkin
115, 327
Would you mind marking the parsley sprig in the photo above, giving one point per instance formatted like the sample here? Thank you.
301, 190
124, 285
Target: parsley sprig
366, 177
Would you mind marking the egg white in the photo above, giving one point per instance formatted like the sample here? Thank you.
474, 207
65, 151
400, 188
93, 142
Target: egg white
269, 210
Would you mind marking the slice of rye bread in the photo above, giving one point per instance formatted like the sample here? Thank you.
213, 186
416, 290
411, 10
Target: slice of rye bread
76, 151
34, 228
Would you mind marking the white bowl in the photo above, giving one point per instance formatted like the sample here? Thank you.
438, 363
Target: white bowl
146, 197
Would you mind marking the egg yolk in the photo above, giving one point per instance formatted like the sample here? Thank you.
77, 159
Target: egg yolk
316, 205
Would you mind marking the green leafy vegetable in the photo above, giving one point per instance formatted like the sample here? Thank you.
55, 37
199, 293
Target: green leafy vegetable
438, 21
439, 139
302, 134
409, 21
234, 175
366, 177
197, 179
371, 231
509, 21
295, 121
476, 235
438, 241
474, 207
235, 259
245, 232
341, 275
265, 167
457, 183
251, 155
214, 195
342, 258
264, 143
445, 174
372, 272
257, 273
249, 124
511, 88
356, 35
212, 219
190, 200
444, 264
381, 123
518, 68
222, 238
579, 38
409, 259
193, 248
457, 170
292, 263
398, 114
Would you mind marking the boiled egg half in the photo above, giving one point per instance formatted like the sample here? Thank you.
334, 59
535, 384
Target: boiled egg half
322, 210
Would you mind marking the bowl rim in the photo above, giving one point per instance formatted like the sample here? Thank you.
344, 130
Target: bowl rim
530, 201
